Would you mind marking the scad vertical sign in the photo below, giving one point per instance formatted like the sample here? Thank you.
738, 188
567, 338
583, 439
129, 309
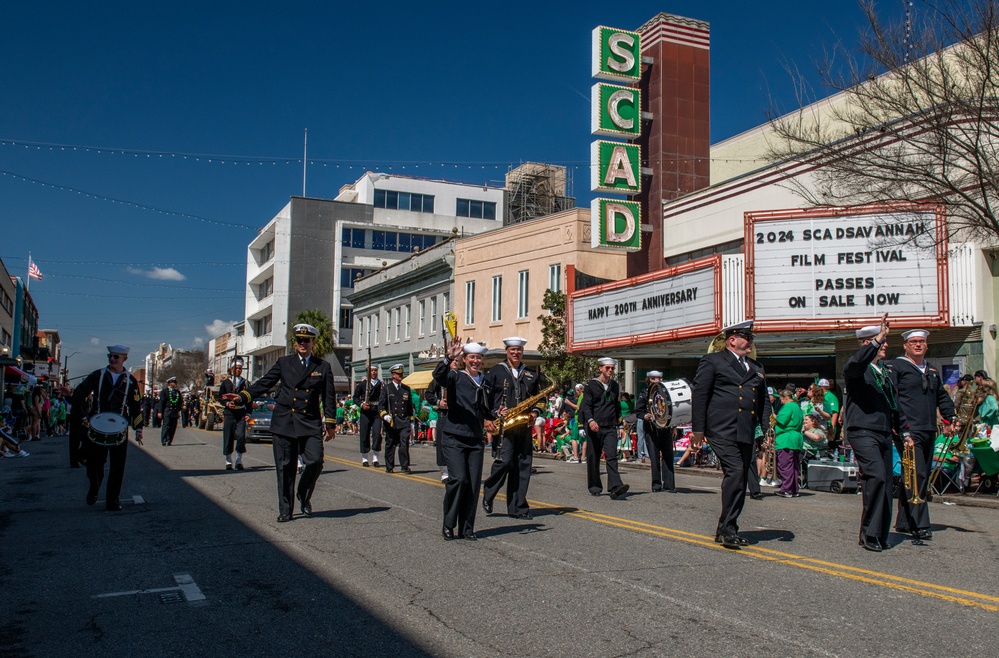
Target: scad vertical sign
615, 167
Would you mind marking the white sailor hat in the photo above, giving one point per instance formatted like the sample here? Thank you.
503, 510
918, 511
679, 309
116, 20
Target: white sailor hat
915, 333
655, 373
823, 382
305, 331
607, 361
473, 348
171, 379
514, 341
744, 328
868, 332
237, 361
118, 349
399, 368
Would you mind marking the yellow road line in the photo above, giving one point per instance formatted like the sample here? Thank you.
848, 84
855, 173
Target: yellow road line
899, 583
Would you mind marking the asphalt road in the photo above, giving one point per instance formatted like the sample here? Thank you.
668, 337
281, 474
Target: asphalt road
195, 565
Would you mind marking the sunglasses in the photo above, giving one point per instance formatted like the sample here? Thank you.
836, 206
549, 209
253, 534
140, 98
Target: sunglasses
114, 356
302, 339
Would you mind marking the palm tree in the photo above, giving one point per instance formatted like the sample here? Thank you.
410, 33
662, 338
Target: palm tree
322, 322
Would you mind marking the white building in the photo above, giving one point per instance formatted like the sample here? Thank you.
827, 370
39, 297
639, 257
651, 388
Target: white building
309, 254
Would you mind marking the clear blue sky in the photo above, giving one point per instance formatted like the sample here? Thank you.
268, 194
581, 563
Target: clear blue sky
380, 86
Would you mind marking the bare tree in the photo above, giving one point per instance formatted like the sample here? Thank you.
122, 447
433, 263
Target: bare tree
914, 119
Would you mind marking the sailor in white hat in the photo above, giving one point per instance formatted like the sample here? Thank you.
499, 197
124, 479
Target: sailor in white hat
601, 416
654, 440
728, 402
234, 414
507, 385
921, 396
395, 407
870, 421
170, 408
115, 392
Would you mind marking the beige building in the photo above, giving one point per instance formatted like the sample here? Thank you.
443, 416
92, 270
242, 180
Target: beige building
500, 277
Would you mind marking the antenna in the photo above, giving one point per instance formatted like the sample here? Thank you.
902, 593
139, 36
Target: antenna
305, 159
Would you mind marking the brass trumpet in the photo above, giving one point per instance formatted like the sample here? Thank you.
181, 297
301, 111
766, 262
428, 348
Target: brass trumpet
909, 474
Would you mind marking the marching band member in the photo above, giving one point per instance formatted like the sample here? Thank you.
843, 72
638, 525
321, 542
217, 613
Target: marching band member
171, 404
395, 407
298, 424
234, 415
920, 393
460, 431
507, 384
729, 400
601, 413
115, 391
366, 395
871, 417
658, 442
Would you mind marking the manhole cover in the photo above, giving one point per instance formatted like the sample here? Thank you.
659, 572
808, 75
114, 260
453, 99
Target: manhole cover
171, 597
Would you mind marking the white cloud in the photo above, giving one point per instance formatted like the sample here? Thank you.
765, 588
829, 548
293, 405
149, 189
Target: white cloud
219, 327
95, 341
199, 341
159, 273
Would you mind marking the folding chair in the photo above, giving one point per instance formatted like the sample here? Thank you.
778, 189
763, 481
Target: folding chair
946, 479
988, 464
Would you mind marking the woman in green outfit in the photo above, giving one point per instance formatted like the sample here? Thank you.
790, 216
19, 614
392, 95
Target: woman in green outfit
788, 442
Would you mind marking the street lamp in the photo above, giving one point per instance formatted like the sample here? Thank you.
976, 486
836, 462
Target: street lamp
65, 369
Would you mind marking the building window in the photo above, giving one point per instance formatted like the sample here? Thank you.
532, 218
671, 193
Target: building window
497, 314
353, 237
523, 281
407, 312
475, 209
423, 315
367, 332
447, 300
404, 242
265, 289
349, 274
470, 302
388, 326
377, 320
433, 316
262, 327
392, 200
346, 319
555, 277
267, 252
396, 322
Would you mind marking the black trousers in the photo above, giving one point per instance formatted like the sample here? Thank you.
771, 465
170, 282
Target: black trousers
659, 446
463, 458
233, 433
753, 476
286, 452
917, 517
396, 438
872, 450
96, 457
513, 465
604, 440
735, 459
169, 427
369, 431
77, 449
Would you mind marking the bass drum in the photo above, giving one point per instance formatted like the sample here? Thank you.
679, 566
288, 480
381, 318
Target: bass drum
108, 429
669, 403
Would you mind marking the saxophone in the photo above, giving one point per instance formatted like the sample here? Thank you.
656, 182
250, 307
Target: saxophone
519, 415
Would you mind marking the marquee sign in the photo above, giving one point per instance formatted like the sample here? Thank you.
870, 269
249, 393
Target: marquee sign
615, 167
829, 268
677, 302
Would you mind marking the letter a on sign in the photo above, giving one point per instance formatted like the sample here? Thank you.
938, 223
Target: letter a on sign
615, 224
615, 167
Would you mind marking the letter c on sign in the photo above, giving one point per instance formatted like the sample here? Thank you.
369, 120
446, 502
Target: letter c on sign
618, 97
612, 212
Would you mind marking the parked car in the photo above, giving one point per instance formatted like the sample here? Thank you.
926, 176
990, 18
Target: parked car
258, 425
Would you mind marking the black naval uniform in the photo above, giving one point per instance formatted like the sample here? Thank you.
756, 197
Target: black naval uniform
601, 404
397, 402
297, 423
432, 397
515, 457
871, 418
369, 429
121, 397
171, 402
659, 445
233, 420
147, 409
919, 396
728, 402
461, 435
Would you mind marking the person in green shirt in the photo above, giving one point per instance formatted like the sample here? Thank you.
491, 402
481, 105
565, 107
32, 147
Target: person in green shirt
830, 409
788, 442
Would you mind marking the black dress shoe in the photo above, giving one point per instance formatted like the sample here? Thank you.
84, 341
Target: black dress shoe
871, 544
526, 516
656, 489
389, 470
407, 470
306, 506
923, 534
228, 467
284, 518
619, 492
448, 533
91, 497
469, 536
670, 490
239, 467
487, 505
756, 496
113, 505
729, 541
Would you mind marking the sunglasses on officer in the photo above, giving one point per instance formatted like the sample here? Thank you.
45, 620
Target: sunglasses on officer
303, 339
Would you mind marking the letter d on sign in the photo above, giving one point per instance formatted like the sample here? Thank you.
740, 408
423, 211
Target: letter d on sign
615, 224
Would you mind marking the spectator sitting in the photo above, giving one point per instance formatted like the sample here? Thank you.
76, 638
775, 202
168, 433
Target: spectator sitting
815, 437
988, 408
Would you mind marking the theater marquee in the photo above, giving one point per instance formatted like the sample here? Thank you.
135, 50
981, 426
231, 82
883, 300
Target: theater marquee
829, 268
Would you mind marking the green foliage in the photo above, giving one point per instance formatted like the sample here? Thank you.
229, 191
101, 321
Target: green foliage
322, 322
558, 365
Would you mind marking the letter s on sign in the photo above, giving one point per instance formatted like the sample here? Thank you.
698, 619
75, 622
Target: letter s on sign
619, 45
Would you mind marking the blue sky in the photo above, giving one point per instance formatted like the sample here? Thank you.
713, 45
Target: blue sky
196, 113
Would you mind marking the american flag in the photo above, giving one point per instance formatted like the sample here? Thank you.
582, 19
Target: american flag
33, 270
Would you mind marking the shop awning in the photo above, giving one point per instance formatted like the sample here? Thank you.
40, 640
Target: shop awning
419, 380
14, 370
